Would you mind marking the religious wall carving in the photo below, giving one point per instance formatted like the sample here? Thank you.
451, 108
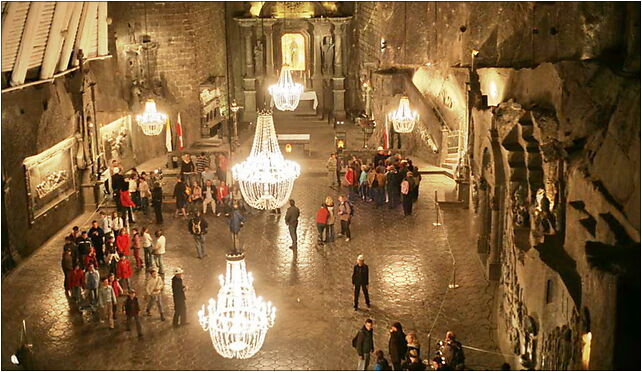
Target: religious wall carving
327, 55
521, 216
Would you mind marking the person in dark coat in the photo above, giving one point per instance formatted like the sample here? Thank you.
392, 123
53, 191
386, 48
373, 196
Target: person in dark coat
197, 226
84, 246
360, 281
292, 220
67, 264
97, 236
157, 202
397, 346
180, 193
178, 293
365, 345
118, 184
131, 308
413, 363
236, 222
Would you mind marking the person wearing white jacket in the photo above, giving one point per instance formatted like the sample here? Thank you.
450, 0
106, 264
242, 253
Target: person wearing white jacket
147, 242
158, 251
154, 290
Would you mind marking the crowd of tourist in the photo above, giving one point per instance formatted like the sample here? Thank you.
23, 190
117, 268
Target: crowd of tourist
404, 351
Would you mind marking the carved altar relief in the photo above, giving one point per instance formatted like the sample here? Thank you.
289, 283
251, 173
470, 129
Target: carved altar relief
293, 51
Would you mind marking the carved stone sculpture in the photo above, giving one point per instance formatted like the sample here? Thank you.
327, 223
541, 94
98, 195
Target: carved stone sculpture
327, 55
520, 207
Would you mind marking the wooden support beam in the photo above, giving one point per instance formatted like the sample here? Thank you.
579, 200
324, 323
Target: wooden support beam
87, 21
70, 37
102, 29
26, 44
55, 39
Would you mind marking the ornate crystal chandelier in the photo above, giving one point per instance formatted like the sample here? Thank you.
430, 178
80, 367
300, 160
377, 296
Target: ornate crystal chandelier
151, 121
403, 119
286, 92
265, 177
239, 320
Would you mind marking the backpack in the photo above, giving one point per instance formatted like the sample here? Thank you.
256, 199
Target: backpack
351, 208
354, 340
375, 183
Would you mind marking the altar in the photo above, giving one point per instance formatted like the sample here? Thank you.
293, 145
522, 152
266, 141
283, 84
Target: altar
305, 96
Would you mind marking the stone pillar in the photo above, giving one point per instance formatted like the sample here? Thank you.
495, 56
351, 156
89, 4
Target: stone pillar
321, 29
338, 81
249, 81
443, 150
483, 222
494, 258
269, 49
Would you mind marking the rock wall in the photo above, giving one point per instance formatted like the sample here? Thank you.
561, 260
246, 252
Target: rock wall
190, 39
551, 102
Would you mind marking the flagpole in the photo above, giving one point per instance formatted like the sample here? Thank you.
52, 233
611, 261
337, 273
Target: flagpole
227, 68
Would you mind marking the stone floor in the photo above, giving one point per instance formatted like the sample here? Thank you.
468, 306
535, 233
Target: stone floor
410, 260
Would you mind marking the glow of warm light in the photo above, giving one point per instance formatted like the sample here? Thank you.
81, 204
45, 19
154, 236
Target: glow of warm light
286, 92
293, 51
151, 121
238, 321
492, 90
404, 120
586, 349
341, 144
288, 148
265, 177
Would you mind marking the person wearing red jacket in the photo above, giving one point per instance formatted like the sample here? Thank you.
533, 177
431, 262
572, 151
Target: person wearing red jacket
322, 219
77, 282
124, 272
128, 204
222, 196
91, 259
351, 182
123, 242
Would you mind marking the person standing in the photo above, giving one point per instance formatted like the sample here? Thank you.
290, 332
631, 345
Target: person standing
134, 191
154, 290
70, 245
136, 245
380, 156
292, 220
208, 175
178, 293
360, 281
221, 170
329, 228
345, 215
209, 192
118, 291
105, 224
452, 352
97, 237
106, 300
145, 193
202, 162
127, 202
188, 169
393, 187
123, 242
322, 220
379, 184
407, 185
196, 197
397, 345
84, 246
331, 166
413, 363
124, 272
197, 226
365, 345
363, 183
67, 264
412, 344
118, 184
146, 241
131, 308
222, 197
415, 190
157, 202
180, 194
159, 251
77, 283
236, 222
350, 179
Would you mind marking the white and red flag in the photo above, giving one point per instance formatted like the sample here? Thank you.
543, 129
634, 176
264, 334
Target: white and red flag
179, 132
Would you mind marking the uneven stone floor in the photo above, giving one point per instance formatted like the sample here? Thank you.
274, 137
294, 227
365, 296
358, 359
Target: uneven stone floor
410, 269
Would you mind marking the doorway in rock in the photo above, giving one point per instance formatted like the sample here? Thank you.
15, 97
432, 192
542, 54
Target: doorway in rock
626, 353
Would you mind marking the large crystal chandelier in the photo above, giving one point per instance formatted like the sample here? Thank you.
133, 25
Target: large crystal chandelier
239, 320
151, 121
286, 92
403, 119
265, 177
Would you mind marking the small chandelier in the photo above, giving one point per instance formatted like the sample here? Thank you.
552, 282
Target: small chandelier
151, 121
403, 120
265, 177
238, 321
286, 92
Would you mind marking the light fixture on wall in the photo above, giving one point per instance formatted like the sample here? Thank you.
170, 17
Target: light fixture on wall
403, 119
265, 177
238, 321
151, 121
286, 93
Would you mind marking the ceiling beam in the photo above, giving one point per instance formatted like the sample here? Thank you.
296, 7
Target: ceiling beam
102, 29
86, 22
55, 39
70, 37
27, 43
